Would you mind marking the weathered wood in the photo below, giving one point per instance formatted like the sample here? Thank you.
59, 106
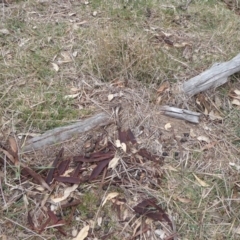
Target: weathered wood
62, 134
215, 76
179, 113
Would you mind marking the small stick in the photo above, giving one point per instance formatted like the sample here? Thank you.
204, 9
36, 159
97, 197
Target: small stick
5, 203
27, 229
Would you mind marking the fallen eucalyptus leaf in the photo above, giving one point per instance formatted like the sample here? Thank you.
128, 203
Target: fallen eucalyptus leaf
184, 200
121, 145
201, 182
83, 233
66, 193
204, 139
110, 97
236, 102
71, 96
237, 91
55, 67
167, 126
113, 163
109, 197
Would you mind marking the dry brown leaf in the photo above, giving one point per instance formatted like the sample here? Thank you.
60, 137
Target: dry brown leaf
236, 91
66, 194
36, 176
109, 197
159, 100
213, 115
75, 90
99, 221
234, 165
13, 144
39, 188
201, 182
118, 83
236, 102
83, 233
11, 158
163, 87
112, 96
113, 163
75, 53
160, 233
25, 200
94, 13
121, 145
167, 126
138, 223
204, 139
184, 200
67, 172
124, 147
55, 67
74, 232
181, 45
72, 96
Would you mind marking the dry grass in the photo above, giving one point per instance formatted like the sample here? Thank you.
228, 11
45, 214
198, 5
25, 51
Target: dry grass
137, 44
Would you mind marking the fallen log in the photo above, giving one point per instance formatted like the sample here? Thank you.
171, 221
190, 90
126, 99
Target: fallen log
64, 133
214, 77
179, 113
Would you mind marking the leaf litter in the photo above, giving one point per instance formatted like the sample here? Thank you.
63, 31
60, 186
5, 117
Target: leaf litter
130, 172
135, 176
62, 180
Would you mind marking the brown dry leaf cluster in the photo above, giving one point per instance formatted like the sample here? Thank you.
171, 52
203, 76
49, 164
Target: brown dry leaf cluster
66, 175
130, 163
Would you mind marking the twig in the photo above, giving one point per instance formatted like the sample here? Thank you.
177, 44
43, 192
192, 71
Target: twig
27, 229
5, 203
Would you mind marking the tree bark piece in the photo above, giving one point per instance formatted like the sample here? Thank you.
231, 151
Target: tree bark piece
64, 133
215, 76
179, 113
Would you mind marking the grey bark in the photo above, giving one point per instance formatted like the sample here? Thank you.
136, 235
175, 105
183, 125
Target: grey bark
62, 134
179, 113
212, 78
